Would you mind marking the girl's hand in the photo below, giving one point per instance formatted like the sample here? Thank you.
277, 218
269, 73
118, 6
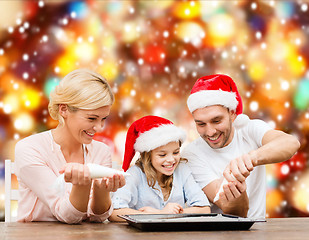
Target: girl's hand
76, 173
149, 210
110, 184
172, 208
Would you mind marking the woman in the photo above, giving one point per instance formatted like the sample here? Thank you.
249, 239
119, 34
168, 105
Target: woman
80, 103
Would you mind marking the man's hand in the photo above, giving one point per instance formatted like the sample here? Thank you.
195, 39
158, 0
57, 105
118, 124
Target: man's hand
233, 190
236, 206
239, 168
234, 200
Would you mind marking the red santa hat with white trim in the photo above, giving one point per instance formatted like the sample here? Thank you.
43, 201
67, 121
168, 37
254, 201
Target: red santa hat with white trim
148, 133
217, 89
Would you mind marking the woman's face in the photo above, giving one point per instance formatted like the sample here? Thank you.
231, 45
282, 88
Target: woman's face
83, 124
165, 159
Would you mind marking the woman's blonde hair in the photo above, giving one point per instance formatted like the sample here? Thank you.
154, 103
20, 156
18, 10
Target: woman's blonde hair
80, 89
144, 163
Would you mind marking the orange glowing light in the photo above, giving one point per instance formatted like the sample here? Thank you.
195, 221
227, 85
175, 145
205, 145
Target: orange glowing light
273, 200
257, 70
187, 10
31, 99
66, 63
24, 123
221, 29
109, 70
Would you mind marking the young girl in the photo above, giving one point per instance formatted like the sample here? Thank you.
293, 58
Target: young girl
159, 182
81, 103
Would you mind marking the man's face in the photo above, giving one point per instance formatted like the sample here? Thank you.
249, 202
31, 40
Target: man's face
214, 124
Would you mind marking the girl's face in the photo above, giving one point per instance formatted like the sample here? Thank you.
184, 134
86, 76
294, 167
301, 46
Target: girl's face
83, 124
165, 159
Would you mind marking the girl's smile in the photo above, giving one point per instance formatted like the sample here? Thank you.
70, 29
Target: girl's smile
166, 158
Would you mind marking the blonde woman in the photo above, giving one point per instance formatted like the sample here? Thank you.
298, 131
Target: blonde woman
159, 182
80, 103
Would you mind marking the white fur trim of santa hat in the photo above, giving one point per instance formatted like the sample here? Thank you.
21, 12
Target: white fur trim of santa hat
241, 121
206, 98
159, 136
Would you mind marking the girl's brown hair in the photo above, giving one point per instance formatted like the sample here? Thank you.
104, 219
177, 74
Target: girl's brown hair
144, 163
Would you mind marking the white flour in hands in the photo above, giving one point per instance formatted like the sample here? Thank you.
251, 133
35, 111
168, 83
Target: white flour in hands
220, 189
225, 182
96, 171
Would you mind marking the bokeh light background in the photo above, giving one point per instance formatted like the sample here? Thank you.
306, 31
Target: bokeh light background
152, 52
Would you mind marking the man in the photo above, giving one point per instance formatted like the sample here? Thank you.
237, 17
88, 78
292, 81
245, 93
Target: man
228, 158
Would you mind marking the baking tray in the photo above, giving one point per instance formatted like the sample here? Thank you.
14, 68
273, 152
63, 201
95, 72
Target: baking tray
188, 222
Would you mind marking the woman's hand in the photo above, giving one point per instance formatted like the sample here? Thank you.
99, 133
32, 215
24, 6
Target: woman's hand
110, 184
102, 187
76, 173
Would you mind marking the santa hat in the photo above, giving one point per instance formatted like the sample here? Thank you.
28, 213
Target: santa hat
217, 89
148, 133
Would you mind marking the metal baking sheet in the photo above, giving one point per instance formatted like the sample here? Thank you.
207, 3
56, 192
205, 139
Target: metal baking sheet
188, 222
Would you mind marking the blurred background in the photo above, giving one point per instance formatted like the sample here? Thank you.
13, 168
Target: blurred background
152, 52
